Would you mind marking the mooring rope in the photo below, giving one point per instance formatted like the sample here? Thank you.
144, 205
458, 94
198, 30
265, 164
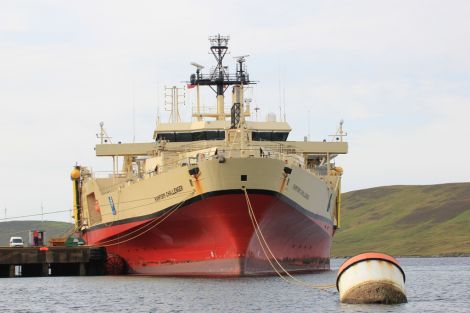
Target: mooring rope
265, 247
158, 220
142, 227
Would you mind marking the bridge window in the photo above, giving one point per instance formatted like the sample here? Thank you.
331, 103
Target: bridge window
193, 136
269, 136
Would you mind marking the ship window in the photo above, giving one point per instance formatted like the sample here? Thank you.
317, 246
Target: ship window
214, 135
182, 137
194, 136
166, 136
278, 136
219, 135
269, 136
199, 136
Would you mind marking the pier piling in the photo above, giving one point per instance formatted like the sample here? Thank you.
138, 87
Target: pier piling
52, 261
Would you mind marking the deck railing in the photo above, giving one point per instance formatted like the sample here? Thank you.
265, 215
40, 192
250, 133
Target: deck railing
183, 157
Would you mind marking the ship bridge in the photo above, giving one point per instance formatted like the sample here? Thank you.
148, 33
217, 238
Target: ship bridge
215, 130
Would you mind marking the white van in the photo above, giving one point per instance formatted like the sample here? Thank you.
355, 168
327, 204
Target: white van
16, 242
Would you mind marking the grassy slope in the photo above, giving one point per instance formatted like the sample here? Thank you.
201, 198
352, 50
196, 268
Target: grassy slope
21, 228
406, 220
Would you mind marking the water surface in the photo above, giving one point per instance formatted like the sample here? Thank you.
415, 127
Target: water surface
433, 285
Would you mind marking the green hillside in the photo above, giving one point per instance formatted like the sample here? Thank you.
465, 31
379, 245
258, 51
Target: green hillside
406, 220
21, 229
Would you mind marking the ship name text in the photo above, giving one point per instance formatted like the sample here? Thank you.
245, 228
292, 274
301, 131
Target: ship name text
301, 192
169, 193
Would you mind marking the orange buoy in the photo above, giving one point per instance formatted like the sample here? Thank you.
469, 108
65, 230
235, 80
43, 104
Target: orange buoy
371, 278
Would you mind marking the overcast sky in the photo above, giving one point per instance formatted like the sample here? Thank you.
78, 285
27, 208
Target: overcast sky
397, 72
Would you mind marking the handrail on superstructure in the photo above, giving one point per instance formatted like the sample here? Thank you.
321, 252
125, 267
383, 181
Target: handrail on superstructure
143, 149
133, 177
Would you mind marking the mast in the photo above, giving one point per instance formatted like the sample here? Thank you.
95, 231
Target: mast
174, 96
219, 79
219, 49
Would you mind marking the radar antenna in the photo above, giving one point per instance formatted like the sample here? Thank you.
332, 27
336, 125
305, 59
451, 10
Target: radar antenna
219, 76
196, 65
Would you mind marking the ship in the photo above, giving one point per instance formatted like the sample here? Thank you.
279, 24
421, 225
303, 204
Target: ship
221, 195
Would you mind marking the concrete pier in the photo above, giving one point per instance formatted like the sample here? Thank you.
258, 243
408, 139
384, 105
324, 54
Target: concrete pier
52, 261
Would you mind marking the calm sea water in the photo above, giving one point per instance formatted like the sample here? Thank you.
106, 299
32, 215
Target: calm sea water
433, 285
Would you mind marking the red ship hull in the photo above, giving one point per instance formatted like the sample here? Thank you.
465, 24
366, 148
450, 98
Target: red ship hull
212, 235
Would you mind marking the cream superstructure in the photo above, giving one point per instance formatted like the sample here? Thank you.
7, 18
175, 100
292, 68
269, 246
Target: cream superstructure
185, 169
